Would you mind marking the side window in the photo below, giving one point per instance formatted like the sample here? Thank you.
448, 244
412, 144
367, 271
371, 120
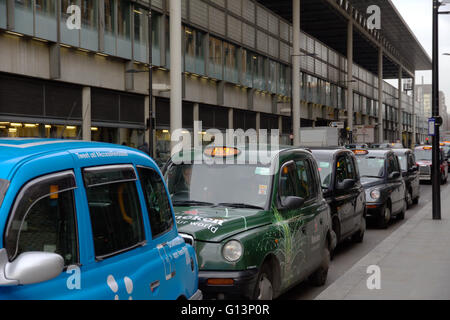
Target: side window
341, 169
390, 165
351, 172
306, 185
43, 218
288, 181
411, 161
114, 209
157, 201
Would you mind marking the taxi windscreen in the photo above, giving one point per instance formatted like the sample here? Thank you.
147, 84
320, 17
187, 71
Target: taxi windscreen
371, 166
4, 184
234, 184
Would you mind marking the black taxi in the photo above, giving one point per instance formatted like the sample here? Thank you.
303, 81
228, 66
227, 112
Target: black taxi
410, 172
343, 191
382, 179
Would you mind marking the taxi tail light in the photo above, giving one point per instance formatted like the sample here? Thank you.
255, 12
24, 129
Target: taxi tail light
371, 206
220, 282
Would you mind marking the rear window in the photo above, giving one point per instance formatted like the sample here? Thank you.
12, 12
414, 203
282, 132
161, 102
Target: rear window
4, 184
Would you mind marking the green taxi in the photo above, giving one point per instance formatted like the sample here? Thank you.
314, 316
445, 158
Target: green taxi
259, 227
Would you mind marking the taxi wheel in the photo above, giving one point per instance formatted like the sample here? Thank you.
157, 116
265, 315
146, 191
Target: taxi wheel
264, 286
358, 237
401, 215
319, 277
385, 217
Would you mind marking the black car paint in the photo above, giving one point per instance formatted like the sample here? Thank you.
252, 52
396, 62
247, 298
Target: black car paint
392, 191
347, 205
410, 175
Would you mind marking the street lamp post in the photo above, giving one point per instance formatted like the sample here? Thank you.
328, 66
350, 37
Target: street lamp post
436, 173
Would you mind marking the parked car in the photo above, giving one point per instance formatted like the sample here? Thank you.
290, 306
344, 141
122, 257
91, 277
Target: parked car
88, 221
424, 158
259, 228
410, 173
343, 191
383, 182
446, 148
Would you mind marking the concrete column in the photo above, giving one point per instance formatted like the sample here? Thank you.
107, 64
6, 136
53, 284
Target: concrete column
231, 118
350, 76
86, 111
380, 96
296, 72
400, 104
176, 85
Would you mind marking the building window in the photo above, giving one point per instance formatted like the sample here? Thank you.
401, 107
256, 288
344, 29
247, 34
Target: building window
259, 72
46, 19
3, 14
110, 27
189, 52
140, 34
272, 81
156, 39
215, 58
231, 72
23, 16
200, 52
124, 29
89, 25
246, 70
69, 37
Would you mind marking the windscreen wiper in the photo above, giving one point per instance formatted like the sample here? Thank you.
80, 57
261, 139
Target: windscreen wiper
240, 205
191, 203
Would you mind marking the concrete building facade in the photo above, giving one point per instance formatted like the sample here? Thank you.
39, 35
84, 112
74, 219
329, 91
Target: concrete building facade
237, 62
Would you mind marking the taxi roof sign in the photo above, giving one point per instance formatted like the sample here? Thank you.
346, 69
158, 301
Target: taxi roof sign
222, 151
360, 152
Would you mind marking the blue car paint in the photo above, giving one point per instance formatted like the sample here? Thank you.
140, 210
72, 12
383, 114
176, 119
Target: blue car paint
128, 275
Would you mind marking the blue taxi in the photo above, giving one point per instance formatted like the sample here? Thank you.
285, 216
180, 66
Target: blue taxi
81, 220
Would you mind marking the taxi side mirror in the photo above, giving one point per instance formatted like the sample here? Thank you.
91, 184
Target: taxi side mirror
346, 184
414, 169
394, 175
292, 203
32, 268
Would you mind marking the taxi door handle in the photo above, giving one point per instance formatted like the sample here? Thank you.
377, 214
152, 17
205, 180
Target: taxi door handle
154, 285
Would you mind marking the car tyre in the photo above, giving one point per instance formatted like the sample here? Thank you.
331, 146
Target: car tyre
385, 217
402, 214
358, 236
319, 277
264, 284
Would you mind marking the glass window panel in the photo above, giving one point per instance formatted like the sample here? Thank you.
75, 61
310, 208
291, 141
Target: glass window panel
23, 16
189, 52
259, 74
123, 29
247, 78
167, 33
140, 34
199, 52
89, 24
156, 39
46, 19
3, 14
272, 76
231, 73
215, 58
283, 80
69, 37
110, 27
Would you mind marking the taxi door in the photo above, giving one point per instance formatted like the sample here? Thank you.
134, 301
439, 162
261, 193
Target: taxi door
292, 222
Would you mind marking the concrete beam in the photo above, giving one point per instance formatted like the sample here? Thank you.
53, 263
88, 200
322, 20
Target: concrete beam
86, 112
176, 82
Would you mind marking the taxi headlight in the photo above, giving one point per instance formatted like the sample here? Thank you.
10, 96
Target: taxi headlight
375, 194
232, 251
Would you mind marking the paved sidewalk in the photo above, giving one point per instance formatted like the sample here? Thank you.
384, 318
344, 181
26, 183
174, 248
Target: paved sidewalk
414, 262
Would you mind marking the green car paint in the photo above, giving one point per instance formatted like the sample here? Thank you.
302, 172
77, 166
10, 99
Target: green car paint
294, 239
